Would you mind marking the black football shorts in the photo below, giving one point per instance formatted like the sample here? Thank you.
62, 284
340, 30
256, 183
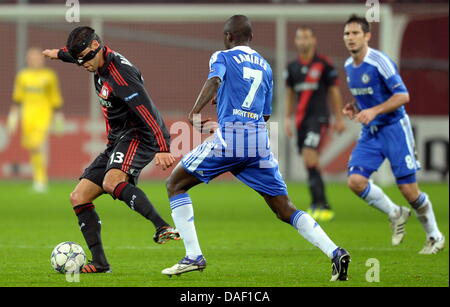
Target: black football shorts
128, 153
311, 134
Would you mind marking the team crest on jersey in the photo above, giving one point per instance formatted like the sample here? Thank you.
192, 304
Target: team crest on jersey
304, 69
105, 91
315, 73
365, 78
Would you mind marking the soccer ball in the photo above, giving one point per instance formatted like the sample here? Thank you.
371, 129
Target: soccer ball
68, 257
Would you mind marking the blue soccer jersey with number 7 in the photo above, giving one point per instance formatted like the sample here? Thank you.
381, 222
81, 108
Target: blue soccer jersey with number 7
245, 94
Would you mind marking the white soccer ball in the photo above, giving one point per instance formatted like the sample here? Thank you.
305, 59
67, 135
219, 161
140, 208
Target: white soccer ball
68, 257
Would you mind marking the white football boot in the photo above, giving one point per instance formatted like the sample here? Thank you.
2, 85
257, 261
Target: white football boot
398, 225
433, 246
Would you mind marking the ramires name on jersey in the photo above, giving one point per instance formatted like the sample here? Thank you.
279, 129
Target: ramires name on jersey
250, 58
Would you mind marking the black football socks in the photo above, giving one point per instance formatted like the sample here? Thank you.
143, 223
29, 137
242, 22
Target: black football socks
136, 199
317, 189
90, 226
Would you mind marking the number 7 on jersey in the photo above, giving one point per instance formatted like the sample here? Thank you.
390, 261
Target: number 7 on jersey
256, 75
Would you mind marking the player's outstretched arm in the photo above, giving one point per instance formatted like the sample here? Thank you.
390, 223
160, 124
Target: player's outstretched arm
207, 95
59, 54
51, 53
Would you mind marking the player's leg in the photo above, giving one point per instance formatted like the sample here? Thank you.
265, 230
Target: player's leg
82, 199
312, 232
262, 175
309, 140
126, 161
200, 165
33, 139
320, 209
423, 209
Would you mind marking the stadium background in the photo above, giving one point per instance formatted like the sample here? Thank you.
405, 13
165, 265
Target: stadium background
173, 57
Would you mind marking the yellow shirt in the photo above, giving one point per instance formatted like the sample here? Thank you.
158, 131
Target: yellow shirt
37, 90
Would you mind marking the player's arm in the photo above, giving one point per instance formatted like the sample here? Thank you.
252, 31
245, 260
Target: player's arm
394, 83
336, 105
390, 105
56, 101
14, 111
350, 110
289, 110
207, 95
59, 54
128, 86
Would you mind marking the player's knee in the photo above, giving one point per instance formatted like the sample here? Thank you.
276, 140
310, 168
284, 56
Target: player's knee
109, 186
76, 198
171, 186
357, 183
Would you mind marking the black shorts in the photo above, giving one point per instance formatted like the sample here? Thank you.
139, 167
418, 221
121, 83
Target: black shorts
311, 134
128, 154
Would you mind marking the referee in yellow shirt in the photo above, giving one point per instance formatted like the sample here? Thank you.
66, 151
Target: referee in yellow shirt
37, 101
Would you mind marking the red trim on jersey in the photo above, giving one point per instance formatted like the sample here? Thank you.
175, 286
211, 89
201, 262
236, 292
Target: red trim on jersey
130, 155
116, 75
305, 96
154, 125
105, 115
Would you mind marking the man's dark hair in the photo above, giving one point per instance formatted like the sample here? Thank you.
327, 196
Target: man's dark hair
365, 26
80, 38
240, 27
306, 28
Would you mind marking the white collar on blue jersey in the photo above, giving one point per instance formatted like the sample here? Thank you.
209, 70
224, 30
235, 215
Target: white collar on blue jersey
246, 49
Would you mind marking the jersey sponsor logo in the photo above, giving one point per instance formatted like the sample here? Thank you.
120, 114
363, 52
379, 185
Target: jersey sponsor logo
365, 78
362, 91
104, 102
131, 96
306, 86
242, 113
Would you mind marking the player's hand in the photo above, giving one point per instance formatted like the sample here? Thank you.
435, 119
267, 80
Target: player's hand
288, 128
366, 116
58, 123
12, 122
164, 159
51, 53
206, 126
339, 126
350, 110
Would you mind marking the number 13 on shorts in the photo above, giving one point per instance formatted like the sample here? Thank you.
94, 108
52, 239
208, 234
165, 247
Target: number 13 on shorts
116, 157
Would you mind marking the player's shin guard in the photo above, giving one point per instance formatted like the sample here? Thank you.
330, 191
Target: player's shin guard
424, 212
312, 232
183, 217
90, 226
136, 199
316, 187
375, 197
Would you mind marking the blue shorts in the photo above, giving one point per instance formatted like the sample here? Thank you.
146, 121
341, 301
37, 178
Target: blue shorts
207, 161
394, 142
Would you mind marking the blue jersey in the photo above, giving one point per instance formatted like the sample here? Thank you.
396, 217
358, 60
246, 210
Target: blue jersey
373, 82
245, 94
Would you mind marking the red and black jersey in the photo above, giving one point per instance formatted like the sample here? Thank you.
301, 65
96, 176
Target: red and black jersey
125, 103
311, 81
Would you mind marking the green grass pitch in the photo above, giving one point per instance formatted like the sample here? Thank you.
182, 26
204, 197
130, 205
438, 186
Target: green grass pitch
243, 242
